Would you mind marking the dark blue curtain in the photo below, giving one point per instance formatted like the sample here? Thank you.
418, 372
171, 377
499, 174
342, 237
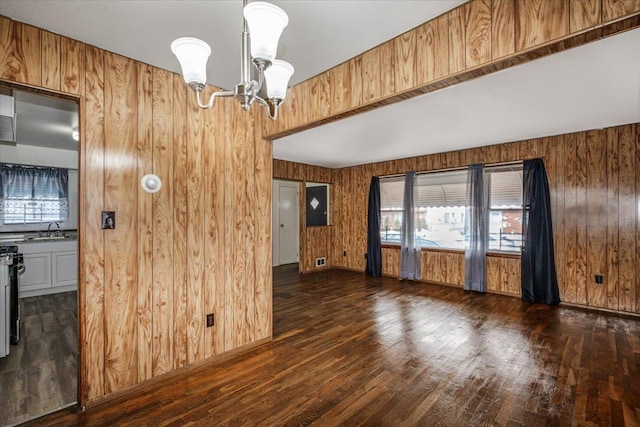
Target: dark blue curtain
374, 246
539, 280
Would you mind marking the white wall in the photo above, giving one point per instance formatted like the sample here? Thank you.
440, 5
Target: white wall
40, 156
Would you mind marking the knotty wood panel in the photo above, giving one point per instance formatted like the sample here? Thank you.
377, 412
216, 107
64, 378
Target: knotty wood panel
92, 261
371, 75
432, 46
318, 105
569, 293
503, 28
612, 195
213, 233
405, 61
584, 14
317, 241
293, 171
263, 174
180, 250
597, 215
637, 174
391, 261
145, 224
120, 294
457, 53
340, 78
195, 233
355, 82
51, 61
20, 47
612, 9
477, 32
581, 221
163, 260
627, 212
72, 61
538, 21
146, 285
494, 274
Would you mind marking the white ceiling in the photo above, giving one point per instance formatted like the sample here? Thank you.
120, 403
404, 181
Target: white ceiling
320, 34
593, 86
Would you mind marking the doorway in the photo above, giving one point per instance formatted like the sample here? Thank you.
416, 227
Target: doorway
286, 222
40, 373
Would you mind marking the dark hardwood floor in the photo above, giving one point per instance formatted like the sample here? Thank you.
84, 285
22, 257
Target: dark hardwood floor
40, 373
351, 350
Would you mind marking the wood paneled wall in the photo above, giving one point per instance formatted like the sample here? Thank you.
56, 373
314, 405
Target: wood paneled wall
474, 39
315, 242
200, 245
594, 178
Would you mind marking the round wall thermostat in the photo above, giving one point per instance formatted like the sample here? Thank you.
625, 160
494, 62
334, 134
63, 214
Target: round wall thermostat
151, 183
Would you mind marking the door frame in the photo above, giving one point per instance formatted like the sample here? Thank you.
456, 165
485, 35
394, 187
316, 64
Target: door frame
80, 295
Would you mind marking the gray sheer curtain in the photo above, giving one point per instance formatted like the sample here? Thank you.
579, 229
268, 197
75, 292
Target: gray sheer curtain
409, 253
476, 230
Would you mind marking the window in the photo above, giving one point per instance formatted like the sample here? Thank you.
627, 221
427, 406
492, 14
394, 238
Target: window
391, 194
441, 199
505, 208
30, 194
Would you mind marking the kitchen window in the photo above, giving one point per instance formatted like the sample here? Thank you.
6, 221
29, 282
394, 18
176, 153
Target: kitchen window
441, 199
33, 194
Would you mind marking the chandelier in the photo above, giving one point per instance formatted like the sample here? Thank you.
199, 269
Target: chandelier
265, 22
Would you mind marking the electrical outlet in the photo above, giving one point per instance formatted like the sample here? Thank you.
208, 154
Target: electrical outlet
209, 320
599, 279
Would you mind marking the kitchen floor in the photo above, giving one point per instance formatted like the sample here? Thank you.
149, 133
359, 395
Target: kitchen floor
40, 373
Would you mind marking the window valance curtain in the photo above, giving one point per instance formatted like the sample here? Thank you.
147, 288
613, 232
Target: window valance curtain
31, 194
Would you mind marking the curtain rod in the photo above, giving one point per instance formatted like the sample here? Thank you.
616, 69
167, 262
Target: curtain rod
459, 168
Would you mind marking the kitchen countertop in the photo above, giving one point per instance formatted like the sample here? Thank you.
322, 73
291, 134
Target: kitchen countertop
37, 237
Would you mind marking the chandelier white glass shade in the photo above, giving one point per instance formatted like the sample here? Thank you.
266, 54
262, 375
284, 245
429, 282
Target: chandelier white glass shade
265, 23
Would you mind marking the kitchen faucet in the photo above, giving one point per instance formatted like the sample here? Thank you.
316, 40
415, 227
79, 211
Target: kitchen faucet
49, 228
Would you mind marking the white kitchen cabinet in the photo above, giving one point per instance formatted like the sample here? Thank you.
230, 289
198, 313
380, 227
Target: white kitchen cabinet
50, 267
38, 273
64, 268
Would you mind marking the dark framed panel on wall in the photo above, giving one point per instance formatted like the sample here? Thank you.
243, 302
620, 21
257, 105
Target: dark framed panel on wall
317, 204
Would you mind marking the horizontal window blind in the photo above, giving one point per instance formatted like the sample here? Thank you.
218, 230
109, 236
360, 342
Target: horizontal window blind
506, 187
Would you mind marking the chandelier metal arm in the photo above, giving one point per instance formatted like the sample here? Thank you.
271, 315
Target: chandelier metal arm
268, 105
219, 94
